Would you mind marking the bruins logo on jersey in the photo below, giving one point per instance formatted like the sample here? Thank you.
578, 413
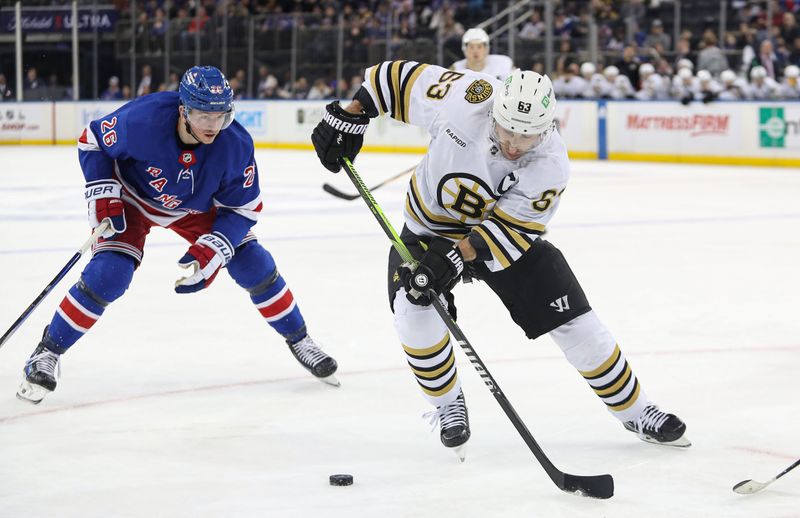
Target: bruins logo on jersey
467, 195
478, 91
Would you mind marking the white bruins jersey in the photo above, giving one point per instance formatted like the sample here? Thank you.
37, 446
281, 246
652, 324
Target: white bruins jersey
463, 184
497, 66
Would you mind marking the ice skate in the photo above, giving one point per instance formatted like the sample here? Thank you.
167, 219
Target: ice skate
40, 373
658, 427
454, 422
315, 361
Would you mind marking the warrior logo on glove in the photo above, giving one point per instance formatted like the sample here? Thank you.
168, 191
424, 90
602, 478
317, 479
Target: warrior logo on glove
338, 135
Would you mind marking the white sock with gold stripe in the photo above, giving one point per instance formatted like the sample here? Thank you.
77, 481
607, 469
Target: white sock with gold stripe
426, 341
589, 346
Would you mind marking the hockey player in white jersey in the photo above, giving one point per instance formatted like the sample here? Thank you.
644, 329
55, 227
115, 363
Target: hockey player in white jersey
790, 85
652, 85
733, 87
491, 180
597, 87
475, 45
762, 87
706, 89
684, 85
621, 87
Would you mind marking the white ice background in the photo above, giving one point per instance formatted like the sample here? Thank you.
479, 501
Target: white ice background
190, 405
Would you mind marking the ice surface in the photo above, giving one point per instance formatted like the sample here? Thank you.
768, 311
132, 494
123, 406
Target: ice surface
189, 405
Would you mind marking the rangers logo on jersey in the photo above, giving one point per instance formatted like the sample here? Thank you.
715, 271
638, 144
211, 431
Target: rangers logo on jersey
478, 91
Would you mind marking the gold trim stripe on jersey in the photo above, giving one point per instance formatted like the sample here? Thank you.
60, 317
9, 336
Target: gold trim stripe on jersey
408, 85
517, 224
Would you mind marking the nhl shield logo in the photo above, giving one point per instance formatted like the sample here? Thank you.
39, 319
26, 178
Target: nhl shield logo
478, 91
187, 159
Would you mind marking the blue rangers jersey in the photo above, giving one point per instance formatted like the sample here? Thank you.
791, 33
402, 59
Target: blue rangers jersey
138, 146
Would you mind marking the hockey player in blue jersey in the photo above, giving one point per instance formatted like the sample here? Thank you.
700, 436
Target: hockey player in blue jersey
179, 161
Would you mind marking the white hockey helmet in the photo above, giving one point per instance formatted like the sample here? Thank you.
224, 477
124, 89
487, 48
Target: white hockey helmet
685, 63
588, 68
474, 34
727, 76
704, 76
685, 73
611, 72
758, 72
792, 71
526, 104
645, 69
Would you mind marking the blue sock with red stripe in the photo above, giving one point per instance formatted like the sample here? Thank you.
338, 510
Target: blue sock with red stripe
270, 293
104, 280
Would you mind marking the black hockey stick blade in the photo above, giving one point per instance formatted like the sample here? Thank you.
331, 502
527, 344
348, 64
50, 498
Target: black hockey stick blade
593, 486
330, 189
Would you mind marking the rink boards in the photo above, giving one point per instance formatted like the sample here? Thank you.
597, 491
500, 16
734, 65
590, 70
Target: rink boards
744, 133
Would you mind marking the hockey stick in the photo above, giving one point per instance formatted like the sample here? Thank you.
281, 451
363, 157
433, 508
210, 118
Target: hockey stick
330, 189
60, 275
595, 486
748, 487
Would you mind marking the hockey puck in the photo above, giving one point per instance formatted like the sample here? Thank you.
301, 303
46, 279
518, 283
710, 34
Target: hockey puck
341, 479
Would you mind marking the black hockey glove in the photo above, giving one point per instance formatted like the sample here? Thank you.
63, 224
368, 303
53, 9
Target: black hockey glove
339, 134
439, 269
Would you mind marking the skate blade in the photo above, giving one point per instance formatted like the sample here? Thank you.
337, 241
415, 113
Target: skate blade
680, 442
460, 451
330, 380
31, 393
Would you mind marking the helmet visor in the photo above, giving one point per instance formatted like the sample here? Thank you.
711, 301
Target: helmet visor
515, 143
209, 121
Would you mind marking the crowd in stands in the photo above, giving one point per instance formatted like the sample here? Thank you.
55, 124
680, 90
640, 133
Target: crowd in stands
757, 57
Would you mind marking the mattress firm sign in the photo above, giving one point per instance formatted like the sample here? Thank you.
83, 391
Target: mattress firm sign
673, 129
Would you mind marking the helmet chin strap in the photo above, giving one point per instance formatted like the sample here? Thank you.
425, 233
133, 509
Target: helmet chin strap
188, 127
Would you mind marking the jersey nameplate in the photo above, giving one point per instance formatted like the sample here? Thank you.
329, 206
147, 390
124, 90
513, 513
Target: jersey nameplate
478, 91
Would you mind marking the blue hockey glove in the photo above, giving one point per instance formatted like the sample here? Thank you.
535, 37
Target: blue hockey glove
206, 256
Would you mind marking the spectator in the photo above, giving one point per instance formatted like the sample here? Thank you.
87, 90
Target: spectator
320, 90
355, 85
126, 92
145, 84
711, 58
34, 88
5, 92
113, 92
241, 78
789, 31
172, 84
657, 36
629, 64
794, 52
534, 28
767, 59
267, 83
158, 31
